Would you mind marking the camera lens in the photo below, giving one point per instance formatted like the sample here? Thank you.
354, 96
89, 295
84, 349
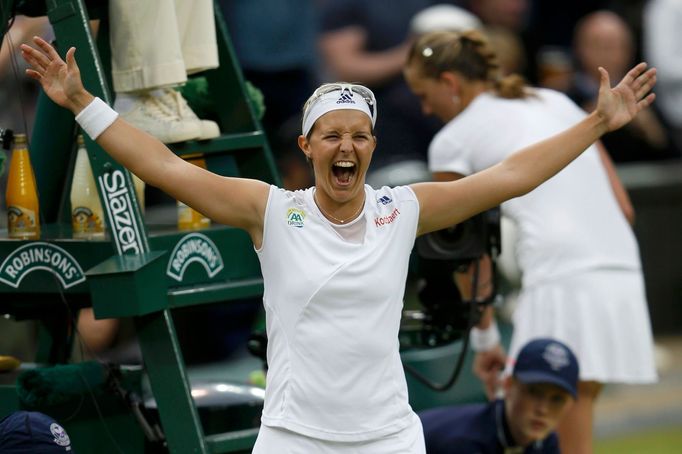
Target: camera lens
448, 239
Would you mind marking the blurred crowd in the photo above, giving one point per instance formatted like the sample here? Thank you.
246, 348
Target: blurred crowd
299, 44
554, 45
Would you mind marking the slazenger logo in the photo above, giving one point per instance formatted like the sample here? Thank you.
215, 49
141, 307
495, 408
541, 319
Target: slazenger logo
386, 219
41, 256
124, 226
194, 247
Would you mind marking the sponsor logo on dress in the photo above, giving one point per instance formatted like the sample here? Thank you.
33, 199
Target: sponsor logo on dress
385, 220
556, 356
384, 200
295, 217
194, 247
41, 256
124, 225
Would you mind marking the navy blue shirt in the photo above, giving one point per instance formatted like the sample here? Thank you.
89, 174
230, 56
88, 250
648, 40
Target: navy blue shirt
476, 429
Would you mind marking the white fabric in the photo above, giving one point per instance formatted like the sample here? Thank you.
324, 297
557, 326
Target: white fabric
353, 231
483, 340
157, 43
334, 100
281, 441
96, 117
443, 16
333, 312
570, 225
662, 20
599, 315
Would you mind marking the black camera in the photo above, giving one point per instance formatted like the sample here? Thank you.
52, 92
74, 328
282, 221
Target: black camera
464, 242
446, 317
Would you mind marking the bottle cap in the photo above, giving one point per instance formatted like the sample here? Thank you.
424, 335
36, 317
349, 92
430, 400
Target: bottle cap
20, 139
80, 140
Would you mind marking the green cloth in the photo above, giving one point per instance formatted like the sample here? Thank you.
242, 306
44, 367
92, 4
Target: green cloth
56, 385
256, 98
195, 91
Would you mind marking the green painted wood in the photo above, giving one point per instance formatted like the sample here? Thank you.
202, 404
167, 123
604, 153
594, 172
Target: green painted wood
227, 142
127, 285
123, 278
169, 383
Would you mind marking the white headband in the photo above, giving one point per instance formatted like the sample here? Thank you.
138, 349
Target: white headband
343, 96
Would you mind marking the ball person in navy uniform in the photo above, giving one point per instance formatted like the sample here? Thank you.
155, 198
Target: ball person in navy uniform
537, 395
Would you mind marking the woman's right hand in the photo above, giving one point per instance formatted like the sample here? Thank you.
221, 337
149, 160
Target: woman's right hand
60, 80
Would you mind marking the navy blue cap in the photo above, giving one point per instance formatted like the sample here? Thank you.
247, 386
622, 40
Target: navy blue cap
548, 361
30, 432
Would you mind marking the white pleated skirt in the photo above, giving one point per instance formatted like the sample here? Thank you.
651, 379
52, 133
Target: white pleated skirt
602, 315
281, 441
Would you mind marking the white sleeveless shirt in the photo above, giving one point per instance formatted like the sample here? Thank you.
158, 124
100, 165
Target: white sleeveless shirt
333, 312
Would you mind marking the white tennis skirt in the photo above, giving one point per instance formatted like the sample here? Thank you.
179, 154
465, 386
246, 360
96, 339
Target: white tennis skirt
281, 441
601, 314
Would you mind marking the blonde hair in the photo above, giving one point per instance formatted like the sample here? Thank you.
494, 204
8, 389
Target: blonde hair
468, 53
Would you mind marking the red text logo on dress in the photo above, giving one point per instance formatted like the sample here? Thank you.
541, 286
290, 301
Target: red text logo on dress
386, 219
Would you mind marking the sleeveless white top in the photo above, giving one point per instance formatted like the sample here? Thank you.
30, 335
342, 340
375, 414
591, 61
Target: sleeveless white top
333, 312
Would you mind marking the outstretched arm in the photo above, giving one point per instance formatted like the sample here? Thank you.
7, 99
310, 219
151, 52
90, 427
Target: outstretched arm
445, 204
233, 201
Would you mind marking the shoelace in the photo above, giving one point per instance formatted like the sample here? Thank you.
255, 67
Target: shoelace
159, 109
173, 100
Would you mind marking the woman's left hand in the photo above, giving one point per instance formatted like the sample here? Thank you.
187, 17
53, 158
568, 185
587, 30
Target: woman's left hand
617, 106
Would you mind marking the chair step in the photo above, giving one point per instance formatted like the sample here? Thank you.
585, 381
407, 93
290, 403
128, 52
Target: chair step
232, 441
214, 292
227, 142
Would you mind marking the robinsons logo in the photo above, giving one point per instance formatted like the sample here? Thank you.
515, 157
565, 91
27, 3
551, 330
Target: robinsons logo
194, 247
41, 256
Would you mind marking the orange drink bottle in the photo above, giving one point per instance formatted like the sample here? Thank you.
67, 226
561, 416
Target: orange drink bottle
22, 194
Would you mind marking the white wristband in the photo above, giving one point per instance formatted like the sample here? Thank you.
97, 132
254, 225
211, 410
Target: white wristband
96, 117
482, 340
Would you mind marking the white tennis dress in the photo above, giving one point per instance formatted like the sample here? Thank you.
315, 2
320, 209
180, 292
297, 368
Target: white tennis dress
333, 312
582, 279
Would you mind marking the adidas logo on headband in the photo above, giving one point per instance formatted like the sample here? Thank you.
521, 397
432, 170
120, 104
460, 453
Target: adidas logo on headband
346, 97
338, 96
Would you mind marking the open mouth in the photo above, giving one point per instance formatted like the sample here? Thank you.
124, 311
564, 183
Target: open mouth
344, 171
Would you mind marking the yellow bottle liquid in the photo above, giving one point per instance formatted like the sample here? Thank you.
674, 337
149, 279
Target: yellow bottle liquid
188, 218
139, 190
23, 219
87, 216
